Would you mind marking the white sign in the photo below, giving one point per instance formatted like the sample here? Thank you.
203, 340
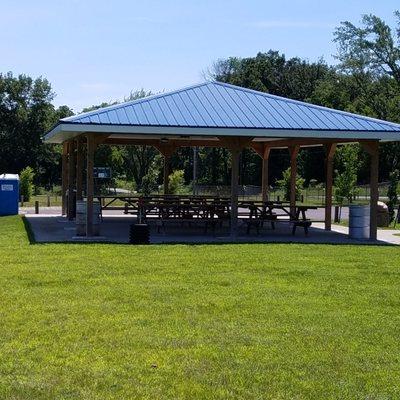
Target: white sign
7, 188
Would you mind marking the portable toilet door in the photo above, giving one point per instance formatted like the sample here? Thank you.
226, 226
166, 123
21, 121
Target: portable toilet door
9, 194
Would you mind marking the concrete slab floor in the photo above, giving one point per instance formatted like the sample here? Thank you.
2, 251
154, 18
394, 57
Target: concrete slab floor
115, 229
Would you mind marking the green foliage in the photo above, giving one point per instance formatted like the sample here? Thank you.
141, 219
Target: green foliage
392, 193
26, 183
134, 161
284, 184
176, 183
26, 113
271, 72
369, 49
150, 179
346, 180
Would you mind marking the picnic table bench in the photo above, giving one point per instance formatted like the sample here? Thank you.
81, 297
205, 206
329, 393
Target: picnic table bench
273, 212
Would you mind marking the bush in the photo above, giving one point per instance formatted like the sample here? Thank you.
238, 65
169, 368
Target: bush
176, 182
346, 181
284, 184
392, 193
26, 183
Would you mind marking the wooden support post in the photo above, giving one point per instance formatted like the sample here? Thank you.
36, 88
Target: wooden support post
235, 145
372, 148
166, 173
265, 182
71, 180
194, 184
166, 149
330, 151
374, 193
293, 151
64, 178
79, 169
235, 153
89, 184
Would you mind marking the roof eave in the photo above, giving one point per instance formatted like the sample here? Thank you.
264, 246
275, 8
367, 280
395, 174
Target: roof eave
66, 131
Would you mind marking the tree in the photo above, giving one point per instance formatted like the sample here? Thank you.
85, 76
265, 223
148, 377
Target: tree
26, 183
176, 182
271, 72
369, 49
393, 193
284, 184
26, 112
346, 176
149, 180
369, 56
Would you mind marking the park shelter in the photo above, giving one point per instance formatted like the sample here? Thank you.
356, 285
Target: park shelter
219, 115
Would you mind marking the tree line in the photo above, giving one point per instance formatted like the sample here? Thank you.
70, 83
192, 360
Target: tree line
365, 80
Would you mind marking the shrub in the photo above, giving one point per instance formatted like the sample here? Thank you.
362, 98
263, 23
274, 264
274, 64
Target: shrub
149, 181
284, 184
176, 182
26, 183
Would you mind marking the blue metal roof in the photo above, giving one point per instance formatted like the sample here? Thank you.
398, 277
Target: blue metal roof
220, 105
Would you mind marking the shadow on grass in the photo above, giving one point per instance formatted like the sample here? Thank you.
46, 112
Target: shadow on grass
29, 230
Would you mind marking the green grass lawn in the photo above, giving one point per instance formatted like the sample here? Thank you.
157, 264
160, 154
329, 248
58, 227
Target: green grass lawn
101, 321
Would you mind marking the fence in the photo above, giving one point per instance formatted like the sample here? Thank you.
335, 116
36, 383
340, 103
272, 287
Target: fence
310, 195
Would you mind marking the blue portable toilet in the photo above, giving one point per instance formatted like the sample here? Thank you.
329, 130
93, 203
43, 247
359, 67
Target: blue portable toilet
9, 194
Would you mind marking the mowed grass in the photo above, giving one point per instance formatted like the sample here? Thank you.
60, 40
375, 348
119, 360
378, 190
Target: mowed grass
100, 321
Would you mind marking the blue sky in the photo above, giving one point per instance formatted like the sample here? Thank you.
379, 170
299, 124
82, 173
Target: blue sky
94, 51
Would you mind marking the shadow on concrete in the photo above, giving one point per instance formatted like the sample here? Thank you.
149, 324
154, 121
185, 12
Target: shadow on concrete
115, 230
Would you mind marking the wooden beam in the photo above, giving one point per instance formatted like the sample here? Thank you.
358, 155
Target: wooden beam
258, 147
157, 142
372, 148
166, 149
284, 143
167, 160
79, 169
90, 148
64, 178
100, 138
234, 142
293, 151
71, 181
265, 180
330, 152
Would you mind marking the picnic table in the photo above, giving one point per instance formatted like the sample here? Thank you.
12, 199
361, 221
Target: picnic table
268, 211
208, 210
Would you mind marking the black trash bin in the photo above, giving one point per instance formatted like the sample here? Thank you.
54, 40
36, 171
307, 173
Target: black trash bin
139, 234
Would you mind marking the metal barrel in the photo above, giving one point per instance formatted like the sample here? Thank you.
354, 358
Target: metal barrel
359, 222
80, 219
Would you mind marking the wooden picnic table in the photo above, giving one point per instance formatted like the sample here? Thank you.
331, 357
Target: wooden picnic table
261, 212
209, 210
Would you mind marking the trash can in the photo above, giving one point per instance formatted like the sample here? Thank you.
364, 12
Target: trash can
9, 194
359, 222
